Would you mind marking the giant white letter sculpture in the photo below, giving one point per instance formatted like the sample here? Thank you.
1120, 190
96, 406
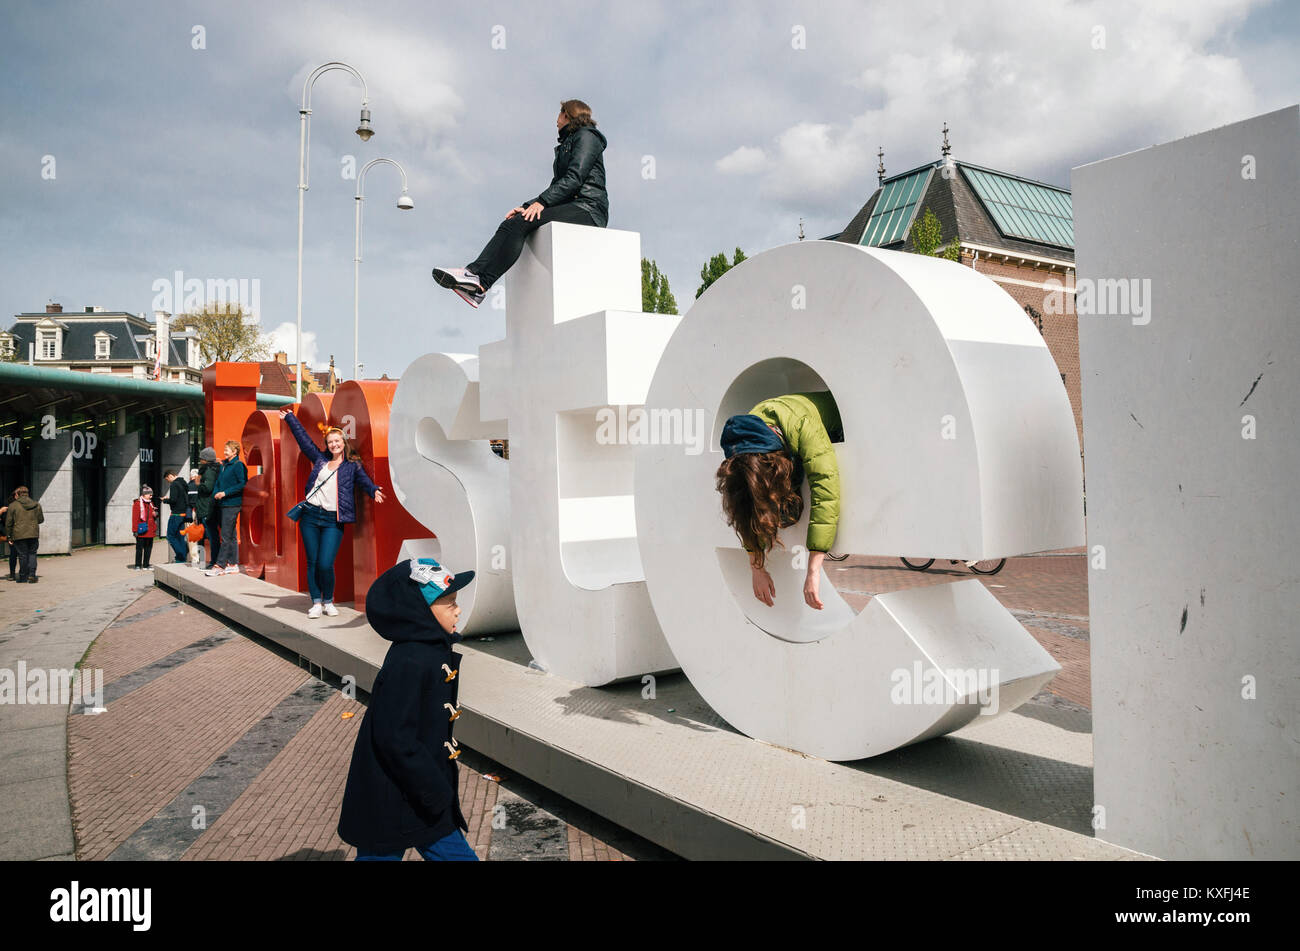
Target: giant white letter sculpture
576, 343
446, 475
959, 441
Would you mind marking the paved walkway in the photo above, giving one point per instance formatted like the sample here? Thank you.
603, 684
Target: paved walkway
213, 746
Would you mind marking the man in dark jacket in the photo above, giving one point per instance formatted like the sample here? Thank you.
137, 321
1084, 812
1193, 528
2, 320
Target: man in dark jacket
204, 510
178, 504
402, 788
23, 520
576, 195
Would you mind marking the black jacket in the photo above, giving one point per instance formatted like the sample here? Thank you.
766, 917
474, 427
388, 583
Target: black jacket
207, 485
178, 497
402, 788
579, 173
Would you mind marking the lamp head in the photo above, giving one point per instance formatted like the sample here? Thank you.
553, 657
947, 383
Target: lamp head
405, 203
364, 130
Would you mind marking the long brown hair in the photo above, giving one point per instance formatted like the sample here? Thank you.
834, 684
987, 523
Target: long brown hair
579, 112
759, 498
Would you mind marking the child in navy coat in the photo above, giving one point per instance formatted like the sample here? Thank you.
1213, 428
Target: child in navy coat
402, 788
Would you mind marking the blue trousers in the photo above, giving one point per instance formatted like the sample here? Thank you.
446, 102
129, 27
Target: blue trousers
451, 848
174, 525
322, 534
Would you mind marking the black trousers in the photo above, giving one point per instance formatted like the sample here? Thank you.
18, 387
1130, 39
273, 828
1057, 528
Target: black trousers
26, 549
143, 550
212, 533
500, 254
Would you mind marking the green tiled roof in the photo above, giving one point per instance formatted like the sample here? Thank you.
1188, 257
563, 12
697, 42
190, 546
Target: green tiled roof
1023, 209
895, 208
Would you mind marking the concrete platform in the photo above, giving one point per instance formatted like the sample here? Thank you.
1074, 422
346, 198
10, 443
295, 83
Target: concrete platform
662, 764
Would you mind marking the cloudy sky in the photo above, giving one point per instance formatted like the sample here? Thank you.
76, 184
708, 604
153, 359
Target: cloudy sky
145, 138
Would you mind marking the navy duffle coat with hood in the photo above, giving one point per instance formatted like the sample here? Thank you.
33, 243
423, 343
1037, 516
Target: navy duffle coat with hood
402, 789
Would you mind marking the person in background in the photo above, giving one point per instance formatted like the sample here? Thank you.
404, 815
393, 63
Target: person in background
23, 518
178, 507
204, 509
13, 552
144, 523
229, 496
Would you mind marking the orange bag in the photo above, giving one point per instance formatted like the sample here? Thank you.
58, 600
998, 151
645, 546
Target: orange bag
194, 532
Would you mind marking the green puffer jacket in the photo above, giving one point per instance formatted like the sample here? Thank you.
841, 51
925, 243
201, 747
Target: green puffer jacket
806, 421
207, 485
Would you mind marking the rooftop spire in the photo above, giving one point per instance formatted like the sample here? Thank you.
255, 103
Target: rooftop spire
947, 149
880, 169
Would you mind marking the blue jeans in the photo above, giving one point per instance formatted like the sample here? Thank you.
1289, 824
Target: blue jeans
322, 534
174, 525
451, 848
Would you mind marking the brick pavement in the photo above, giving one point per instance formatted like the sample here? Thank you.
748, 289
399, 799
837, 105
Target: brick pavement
127, 765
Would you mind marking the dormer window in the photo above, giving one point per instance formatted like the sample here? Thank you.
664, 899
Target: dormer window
103, 341
7, 345
48, 345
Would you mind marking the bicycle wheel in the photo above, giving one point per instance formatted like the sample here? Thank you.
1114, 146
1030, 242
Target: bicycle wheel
917, 564
988, 567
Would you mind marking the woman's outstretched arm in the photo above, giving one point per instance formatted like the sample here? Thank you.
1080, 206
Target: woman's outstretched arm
309, 448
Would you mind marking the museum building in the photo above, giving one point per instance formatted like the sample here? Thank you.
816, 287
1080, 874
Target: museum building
1018, 232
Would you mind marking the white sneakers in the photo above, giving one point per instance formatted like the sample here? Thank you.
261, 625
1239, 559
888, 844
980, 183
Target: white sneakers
314, 611
317, 608
463, 281
449, 277
330, 610
218, 570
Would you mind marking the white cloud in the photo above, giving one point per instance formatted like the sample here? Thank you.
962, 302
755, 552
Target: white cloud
285, 337
1059, 84
746, 160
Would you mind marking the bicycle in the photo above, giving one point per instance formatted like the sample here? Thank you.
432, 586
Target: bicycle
989, 566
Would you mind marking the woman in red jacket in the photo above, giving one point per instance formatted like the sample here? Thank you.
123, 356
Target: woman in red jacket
144, 524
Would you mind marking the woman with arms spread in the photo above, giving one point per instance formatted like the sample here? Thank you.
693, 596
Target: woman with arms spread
330, 504
768, 451
576, 195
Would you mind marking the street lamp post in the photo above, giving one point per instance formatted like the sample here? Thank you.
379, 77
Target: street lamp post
405, 203
304, 151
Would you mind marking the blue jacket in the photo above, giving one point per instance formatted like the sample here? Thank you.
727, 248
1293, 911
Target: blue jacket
349, 473
402, 787
231, 480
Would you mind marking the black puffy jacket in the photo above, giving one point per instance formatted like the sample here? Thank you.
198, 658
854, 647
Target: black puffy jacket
402, 788
579, 173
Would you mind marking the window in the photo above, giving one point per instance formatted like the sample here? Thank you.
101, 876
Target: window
7, 345
102, 343
47, 345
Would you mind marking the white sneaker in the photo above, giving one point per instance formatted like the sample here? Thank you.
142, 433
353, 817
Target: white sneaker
213, 572
314, 611
449, 277
231, 570
329, 609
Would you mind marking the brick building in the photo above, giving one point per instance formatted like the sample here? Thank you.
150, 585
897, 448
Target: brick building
1018, 232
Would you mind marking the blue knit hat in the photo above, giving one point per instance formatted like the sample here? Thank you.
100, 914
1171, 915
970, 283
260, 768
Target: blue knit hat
435, 581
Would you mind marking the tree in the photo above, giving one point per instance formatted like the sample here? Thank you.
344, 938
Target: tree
656, 297
228, 332
927, 235
717, 267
